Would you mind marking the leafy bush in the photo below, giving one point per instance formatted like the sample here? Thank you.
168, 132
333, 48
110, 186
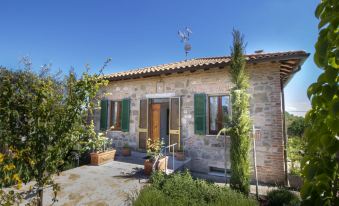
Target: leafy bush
282, 197
182, 189
320, 165
295, 149
295, 125
150, 196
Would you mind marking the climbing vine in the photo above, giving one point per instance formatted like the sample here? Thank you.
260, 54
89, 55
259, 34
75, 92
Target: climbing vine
320, 165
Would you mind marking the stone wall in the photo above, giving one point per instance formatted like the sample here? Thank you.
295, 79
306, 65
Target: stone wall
208, 151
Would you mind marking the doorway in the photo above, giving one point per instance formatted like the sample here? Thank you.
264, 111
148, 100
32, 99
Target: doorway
159, 120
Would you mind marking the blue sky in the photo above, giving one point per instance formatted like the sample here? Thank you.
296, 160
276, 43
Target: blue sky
144, 32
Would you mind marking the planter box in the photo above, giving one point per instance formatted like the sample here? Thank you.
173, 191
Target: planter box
161, 165
180, 156
295, 181
103, 157
126, 151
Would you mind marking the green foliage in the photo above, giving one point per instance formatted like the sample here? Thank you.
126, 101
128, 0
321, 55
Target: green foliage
99, 143
282, 197
10, 198
182, 189
238, 127
295, 125
153, 148
320, 165
41, 120
295, 150
150, 196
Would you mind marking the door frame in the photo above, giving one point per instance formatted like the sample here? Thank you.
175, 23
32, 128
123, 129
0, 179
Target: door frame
143, 130
174, 131
147, 130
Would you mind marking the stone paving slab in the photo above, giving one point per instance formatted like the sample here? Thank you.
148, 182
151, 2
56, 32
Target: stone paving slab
108, 184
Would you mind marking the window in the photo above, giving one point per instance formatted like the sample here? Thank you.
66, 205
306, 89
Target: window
115, 115
218, 109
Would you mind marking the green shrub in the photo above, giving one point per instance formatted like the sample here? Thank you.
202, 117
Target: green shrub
295, 147
282, 197
150, 196
182, 189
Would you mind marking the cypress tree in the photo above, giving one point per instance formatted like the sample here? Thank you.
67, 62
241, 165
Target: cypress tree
240, 122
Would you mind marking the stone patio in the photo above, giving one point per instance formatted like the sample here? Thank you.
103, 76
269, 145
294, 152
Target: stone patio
108, 184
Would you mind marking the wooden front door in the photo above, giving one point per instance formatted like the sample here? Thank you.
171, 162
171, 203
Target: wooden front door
155, 122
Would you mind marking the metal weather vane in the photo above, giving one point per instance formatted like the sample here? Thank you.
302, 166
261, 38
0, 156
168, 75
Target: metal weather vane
185, 37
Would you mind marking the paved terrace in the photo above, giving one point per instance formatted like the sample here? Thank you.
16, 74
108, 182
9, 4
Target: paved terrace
108, 184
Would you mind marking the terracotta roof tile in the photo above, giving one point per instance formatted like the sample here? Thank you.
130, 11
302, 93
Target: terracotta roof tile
207, 62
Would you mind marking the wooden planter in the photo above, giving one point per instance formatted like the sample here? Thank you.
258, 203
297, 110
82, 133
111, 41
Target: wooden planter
126, 151
180, 156
102, 157
161, 165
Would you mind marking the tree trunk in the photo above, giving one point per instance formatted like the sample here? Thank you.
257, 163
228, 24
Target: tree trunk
225, 156
40, 196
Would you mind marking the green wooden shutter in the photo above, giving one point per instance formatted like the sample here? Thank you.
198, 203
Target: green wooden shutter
103, 115
200, 114
125, 113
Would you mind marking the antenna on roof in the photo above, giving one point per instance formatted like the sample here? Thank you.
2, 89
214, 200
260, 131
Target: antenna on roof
185, 37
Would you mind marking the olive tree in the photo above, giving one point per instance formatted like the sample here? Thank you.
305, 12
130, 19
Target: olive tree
41, 120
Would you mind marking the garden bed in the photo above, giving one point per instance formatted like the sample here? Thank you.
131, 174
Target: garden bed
182, 189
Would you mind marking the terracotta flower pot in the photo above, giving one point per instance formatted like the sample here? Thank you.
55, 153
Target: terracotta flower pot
126, 151
180, 156
148, 165
102, 157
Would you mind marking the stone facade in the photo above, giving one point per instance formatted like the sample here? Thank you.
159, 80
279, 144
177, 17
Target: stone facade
207, 151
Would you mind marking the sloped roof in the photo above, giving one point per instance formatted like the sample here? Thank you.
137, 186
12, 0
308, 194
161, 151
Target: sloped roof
290, 62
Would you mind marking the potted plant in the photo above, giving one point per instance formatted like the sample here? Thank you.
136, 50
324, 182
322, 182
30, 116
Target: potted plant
102, 151
153, 154
126, 150
180, 154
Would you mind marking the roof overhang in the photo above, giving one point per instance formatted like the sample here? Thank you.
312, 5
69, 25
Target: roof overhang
290, 63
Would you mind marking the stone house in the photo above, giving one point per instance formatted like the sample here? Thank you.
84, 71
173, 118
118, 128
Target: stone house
185, 103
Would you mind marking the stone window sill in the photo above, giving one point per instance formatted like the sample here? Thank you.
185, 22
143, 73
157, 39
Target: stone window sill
215, 136
114, 131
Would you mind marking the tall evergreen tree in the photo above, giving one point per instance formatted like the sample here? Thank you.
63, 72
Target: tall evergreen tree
239, 125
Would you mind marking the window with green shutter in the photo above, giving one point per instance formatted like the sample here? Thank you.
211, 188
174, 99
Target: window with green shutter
125, 115
218, 111
115, 115
200, 114
103, 114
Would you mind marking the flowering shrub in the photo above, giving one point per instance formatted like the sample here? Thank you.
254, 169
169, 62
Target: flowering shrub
153, 148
